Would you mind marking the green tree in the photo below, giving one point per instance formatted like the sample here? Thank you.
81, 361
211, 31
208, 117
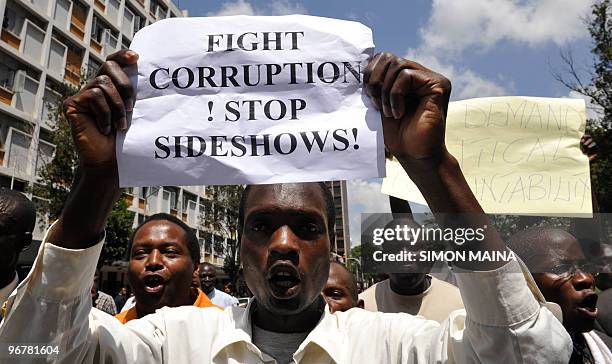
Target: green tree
56, 177
221, 215
599, 89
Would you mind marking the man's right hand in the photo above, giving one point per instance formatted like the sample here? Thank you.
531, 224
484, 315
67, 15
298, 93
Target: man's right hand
95, 113
99, 109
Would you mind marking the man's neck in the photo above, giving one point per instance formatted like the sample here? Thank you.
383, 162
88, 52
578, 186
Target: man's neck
303, 321
416, 289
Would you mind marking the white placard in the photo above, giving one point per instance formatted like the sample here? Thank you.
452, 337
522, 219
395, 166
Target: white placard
241, 99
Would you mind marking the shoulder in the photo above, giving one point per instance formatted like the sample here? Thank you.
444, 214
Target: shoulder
442, 286
371, 291
105, 296
225, 295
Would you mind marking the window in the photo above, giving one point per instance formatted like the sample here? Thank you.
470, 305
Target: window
7, 76
10, 21
19, 150
45, 155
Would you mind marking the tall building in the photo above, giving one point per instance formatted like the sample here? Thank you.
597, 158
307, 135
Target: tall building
342, 246
47, 42
44, 43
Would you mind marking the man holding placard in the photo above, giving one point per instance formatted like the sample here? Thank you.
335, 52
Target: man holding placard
285, 237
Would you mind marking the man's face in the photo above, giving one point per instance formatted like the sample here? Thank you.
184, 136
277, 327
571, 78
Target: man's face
160, 269
285, 246
123, 291
340, 291
573, 292
208, 277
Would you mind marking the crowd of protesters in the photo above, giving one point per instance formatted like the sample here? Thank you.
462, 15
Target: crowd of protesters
304, 309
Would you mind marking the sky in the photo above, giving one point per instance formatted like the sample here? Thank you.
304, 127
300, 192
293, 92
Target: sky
486, 48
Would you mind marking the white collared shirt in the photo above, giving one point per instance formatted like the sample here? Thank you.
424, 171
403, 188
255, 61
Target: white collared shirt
504, 323
222, 299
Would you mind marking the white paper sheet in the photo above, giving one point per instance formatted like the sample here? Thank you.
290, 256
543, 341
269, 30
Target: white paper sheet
256, 92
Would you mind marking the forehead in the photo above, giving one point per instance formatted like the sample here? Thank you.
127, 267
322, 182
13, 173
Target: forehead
206, 268
553, 246
338, 275
279, 198
160, 231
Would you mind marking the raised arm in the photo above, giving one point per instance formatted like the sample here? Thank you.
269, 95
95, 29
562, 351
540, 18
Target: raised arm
413, 101
504, 322
52, 306
95, 114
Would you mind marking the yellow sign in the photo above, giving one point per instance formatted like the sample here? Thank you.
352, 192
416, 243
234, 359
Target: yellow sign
521, 155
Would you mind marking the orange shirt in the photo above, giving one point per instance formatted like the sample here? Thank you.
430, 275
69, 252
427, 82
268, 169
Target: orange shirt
131, 314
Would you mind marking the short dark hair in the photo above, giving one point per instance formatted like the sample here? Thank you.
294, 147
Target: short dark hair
192, 241
17, 215
532, 242
329, 205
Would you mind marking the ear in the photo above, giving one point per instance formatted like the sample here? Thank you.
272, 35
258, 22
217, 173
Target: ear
360, 304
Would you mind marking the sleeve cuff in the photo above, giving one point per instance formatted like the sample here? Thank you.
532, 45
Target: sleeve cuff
497, 298
60, 274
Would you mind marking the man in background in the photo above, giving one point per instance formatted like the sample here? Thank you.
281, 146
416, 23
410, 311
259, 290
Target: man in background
121, 298
164, 256
340, 291
208, 279
414, 291
17, 220
101, 300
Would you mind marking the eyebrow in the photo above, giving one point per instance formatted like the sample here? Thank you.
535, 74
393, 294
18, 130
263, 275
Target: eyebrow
147, 244
275, 210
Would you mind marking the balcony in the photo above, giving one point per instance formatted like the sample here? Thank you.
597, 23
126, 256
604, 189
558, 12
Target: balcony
100, 5
10, 39
72, 71
19, 91
95, 45
6, 95
78, 18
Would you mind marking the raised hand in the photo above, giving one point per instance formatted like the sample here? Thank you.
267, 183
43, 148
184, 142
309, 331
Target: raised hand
99, 109
588, 147
413, 101
95, 114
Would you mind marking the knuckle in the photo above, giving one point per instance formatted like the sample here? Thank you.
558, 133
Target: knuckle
66, 105
395, 92
118, 105
103, 79
443, 83
124, 88
96, 92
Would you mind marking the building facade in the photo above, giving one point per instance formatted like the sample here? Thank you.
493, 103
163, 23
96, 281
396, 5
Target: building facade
44, 43
341, 248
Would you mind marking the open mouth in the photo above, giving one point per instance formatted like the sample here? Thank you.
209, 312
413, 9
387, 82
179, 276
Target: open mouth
153, 283
284, 279
588, 305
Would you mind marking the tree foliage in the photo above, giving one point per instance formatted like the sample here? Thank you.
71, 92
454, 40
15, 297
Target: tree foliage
56, 177
599, 89
221, 215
